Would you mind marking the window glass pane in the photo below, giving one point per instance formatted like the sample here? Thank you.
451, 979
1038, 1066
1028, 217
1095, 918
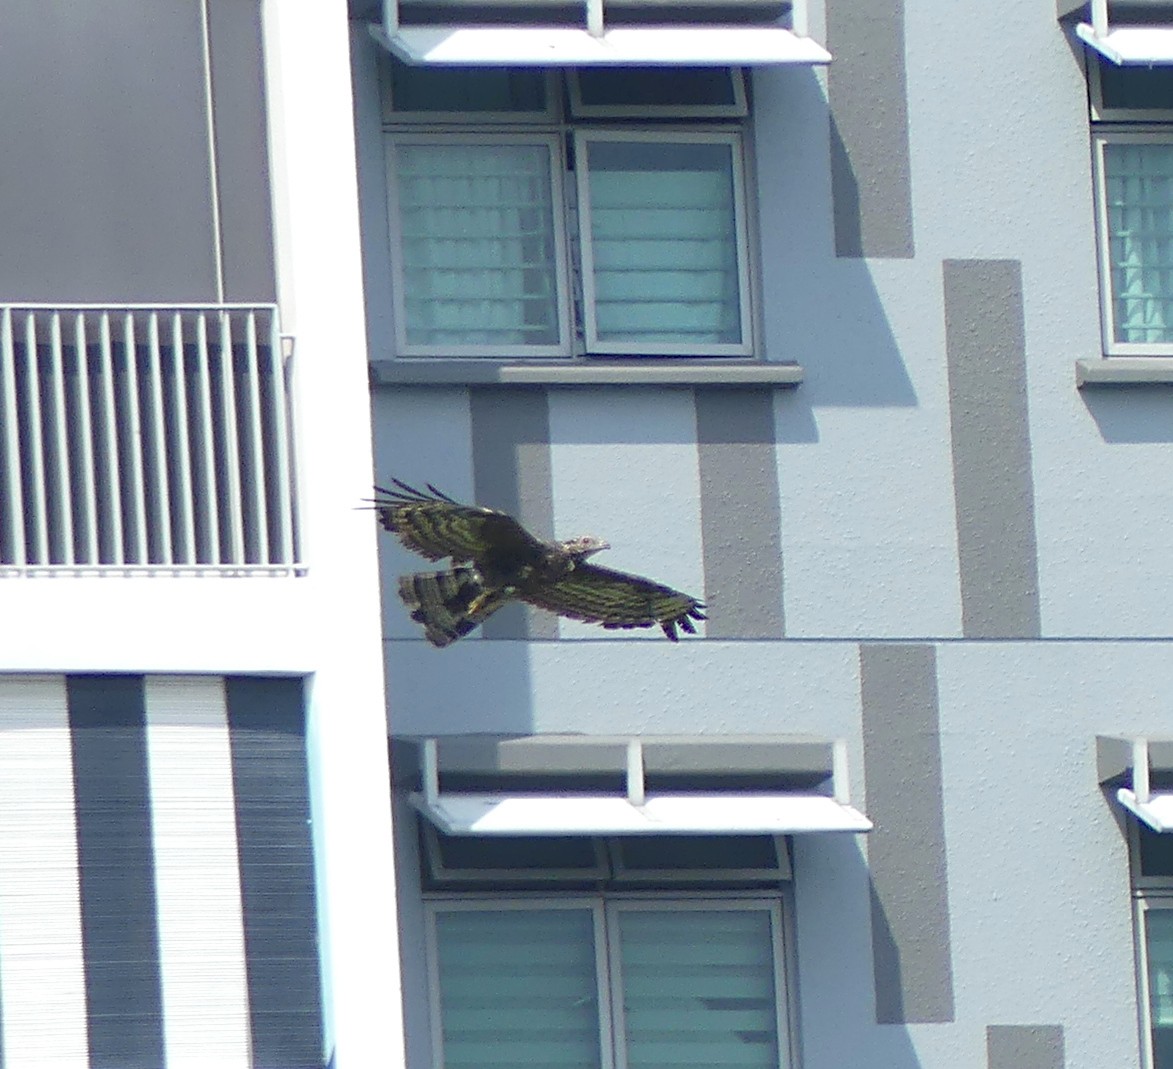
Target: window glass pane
466, 89
476, 231
667, 852
656, 86
1136, 88
518, 989
1156, 852
664, 242
698, 989
1159, 932
1139, 189
520, 852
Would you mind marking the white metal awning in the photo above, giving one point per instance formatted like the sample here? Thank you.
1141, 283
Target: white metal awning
568, 46
637, 811
1127, 45
661, 814
594, 45
1133, 757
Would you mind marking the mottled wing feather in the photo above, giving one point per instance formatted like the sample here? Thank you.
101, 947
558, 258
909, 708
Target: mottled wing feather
617, 599
436, 526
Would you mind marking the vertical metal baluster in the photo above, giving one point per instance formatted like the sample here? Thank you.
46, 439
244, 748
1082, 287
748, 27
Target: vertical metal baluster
232, 499
85, 443
14, 497
112, 490
282, 462
138, 503
182, 499
38, 490
256, 447
208, 490
58, 427
161, 518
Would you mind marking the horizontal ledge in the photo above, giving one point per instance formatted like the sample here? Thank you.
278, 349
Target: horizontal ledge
559, 46
583, 373
1125, 371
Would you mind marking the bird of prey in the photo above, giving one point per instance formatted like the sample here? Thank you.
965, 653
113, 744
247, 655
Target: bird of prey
496, 560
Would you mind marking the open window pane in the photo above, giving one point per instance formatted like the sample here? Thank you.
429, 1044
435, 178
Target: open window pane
651, 91
477, 244
1159, 934
698, 989
663, 257
471, 91
1139, 204
518, 989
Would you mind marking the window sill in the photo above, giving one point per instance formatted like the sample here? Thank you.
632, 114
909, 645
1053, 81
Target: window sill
1125, 371
583, 373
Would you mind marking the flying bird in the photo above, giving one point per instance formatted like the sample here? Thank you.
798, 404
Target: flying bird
496, 560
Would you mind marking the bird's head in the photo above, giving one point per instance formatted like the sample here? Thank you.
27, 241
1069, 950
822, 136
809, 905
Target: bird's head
581, 548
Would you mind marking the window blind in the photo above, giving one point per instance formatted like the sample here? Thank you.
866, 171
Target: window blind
478, 246
663, 242
518, 989
698, 989
1139, 194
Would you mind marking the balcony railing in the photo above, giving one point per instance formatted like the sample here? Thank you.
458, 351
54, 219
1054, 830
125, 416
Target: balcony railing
145, 439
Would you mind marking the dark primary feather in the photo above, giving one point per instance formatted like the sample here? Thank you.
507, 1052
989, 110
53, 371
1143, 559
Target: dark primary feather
617, 600
497, 560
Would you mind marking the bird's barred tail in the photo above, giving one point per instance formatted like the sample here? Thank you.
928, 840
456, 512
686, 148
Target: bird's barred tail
449, 604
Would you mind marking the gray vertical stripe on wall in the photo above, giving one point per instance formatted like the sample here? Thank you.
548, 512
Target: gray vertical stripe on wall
124, 1011
740, 513
107, 186
511, 472
242, 151
1024, 1046
993, 488
911, 953
871, 174
266, 723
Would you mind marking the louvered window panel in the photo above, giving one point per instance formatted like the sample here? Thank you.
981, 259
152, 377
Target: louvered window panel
136, 437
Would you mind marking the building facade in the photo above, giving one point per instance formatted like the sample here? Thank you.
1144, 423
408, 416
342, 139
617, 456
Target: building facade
850, 319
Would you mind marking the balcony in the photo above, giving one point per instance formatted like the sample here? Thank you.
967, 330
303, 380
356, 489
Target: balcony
145, 440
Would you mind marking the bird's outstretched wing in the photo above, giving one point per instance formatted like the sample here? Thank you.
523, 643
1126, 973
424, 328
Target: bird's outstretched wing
435, 526
616, 599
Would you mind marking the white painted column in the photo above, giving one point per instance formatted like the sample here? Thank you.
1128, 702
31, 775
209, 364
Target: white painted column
307, 52
197, 874
42, 967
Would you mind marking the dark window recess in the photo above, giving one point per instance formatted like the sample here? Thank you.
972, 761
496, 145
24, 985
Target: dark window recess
471, 89
1136, 88
1156, 853
520, 853
684, 852
657, 87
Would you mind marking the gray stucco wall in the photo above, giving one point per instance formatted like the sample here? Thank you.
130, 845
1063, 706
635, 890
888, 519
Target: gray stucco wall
106, 183
959, 560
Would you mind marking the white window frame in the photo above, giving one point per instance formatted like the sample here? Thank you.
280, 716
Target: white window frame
636, 350
1100, 138
552, 142
737, 110
604, 910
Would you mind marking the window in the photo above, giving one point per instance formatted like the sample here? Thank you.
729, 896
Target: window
601, 953
595, 983
1153, 879
1132, 112
593, 213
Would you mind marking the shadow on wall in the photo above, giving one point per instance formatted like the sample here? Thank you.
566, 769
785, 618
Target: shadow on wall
1131, 414
819, 310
